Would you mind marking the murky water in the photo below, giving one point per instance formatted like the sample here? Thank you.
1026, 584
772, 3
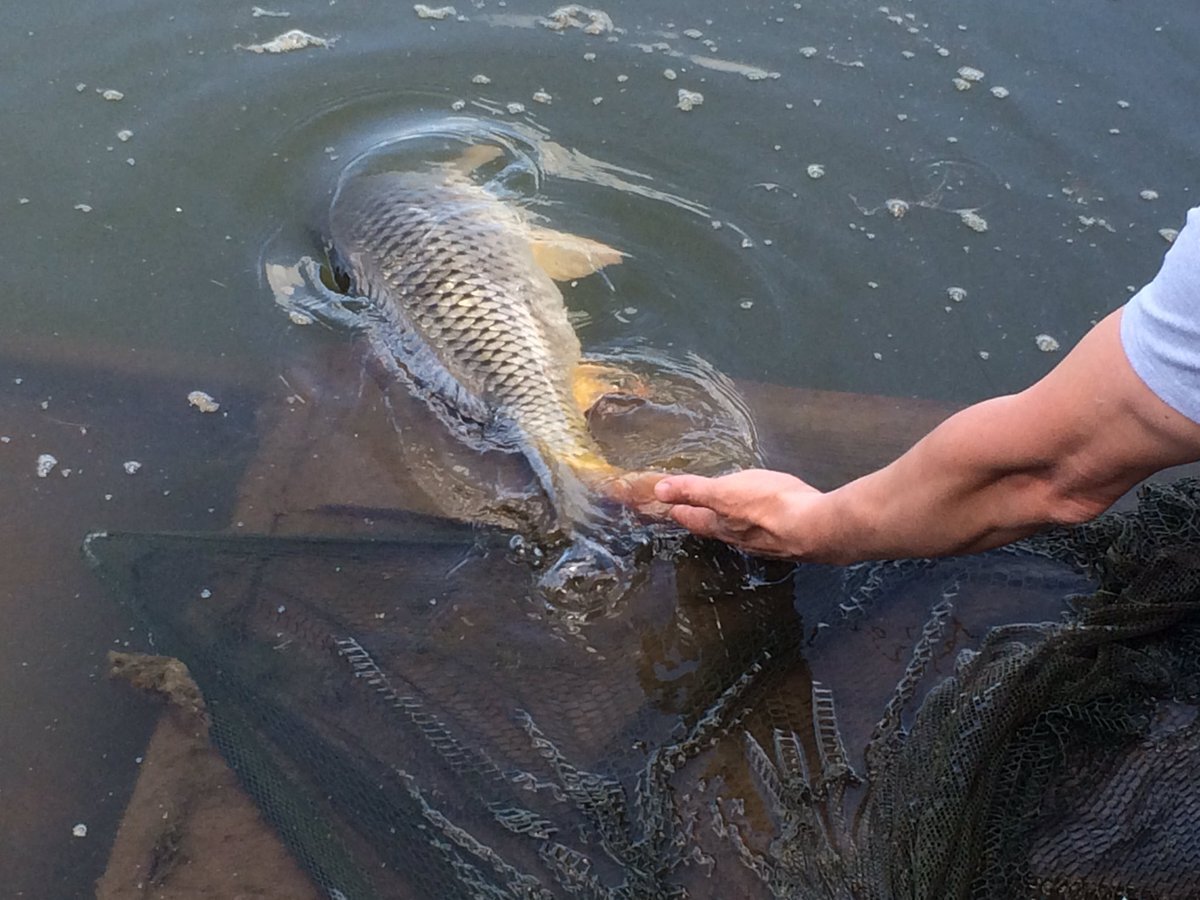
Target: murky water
151, 160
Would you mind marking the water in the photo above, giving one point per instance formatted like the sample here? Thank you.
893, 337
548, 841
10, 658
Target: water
115, 313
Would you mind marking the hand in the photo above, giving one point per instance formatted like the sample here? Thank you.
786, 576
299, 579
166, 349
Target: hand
758, 511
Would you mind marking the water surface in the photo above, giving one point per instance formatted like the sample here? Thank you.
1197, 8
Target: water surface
133, 260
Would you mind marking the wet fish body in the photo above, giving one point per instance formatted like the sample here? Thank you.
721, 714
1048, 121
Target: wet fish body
456, 297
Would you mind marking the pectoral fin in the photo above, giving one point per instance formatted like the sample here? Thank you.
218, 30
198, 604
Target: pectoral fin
565, 256
475, 156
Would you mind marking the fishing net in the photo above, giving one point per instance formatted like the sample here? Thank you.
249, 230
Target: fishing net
413, 724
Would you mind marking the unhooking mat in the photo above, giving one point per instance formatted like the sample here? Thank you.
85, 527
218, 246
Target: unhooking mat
415, 725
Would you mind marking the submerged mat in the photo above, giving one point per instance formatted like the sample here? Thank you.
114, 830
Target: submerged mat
414, 725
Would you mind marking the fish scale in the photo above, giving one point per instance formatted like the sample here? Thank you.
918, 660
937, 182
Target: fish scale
459, 302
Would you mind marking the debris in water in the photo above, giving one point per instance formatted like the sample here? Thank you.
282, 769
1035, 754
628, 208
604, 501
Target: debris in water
1168, 234
907, 54
808, 52
962, 84
258, 12
1089, 221
1148, 194
287, 42
80, 88
694, 33
999, 92
299, 318
541, 96
480, 79
590, 21
983, 354
621, 79
897, 207
957, 294
973, 220
131, 466
45, 465
669, 74
110, 94
942, 51
689, 100
1124, 104
514, 108
589, 56
429, 12
1046, 343
79, 831
970, 73
124, 134
816, 170
458, 105
203, 402
205, 593
746, 303
83, 207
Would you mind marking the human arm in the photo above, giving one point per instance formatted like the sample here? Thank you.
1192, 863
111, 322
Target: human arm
1057, 453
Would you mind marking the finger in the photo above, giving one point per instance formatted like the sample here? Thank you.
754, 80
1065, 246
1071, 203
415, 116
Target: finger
693, 490
698, 520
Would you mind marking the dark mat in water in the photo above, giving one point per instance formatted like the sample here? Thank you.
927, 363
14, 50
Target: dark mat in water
416, 725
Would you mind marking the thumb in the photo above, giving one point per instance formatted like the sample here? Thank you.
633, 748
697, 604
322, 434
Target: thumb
692, 490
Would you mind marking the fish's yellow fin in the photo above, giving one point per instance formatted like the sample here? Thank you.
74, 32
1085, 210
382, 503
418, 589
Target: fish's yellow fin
592, 380
565, 256
473, 157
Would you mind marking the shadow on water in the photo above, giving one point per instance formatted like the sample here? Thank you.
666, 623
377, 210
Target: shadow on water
155, 158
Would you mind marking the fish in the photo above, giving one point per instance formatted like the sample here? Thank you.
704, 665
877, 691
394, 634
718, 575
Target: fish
454, 288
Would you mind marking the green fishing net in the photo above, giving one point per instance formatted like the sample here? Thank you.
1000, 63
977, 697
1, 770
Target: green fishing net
414, 724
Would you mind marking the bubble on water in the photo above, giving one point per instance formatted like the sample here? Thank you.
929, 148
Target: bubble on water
907, 54
287, 42
596, 101
131, 466
111, 94
203, 402
669, 74
999, 92
746, 303
124, 134
83, 207
897, 207
428, 12
1168, 234
79, 831
480, 79
973, 220
983, 354
1123, 104
808, 52
689, 100
588, 20
514, 108
815, 171
942, 51
1046, 343
957, 294
259, 12
962, 84
541, 96
621, 79
458, 105
45, 464
970, 73
1148, 194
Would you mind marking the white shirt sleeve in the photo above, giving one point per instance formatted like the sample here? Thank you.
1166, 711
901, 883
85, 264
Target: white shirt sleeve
1160, 326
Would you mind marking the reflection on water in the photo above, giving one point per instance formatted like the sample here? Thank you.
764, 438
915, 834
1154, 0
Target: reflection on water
133, 228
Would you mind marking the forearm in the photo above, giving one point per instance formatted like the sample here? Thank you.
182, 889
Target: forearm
1059, 452
969, 485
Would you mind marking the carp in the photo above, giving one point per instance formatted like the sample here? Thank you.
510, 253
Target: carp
454, 289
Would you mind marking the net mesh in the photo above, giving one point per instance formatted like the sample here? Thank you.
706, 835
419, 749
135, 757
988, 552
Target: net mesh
413, 725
